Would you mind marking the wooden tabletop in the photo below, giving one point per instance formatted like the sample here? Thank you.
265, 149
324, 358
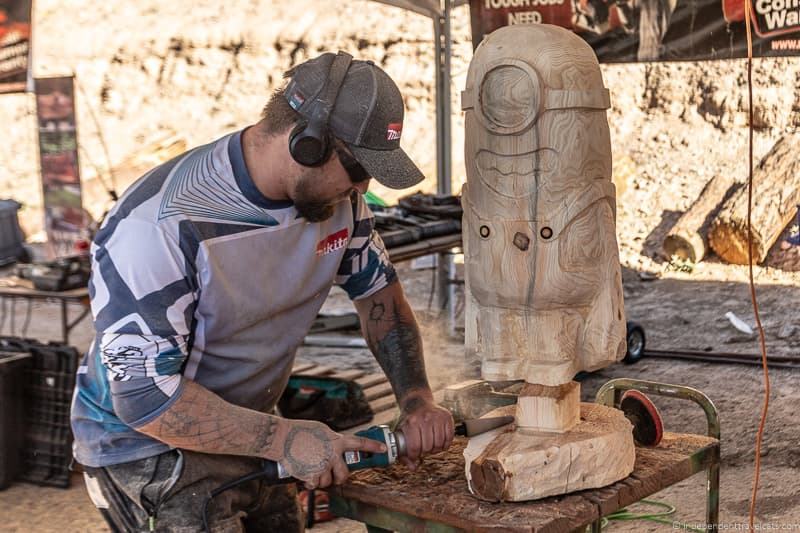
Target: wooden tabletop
438, 491
16, 286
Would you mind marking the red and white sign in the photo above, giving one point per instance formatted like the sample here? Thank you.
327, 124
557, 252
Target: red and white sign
333, 242
394, 131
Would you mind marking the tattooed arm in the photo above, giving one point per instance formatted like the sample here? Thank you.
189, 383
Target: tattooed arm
200, 420
391, 331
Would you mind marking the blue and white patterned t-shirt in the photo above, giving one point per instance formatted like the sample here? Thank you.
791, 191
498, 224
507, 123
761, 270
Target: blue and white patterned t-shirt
196, 275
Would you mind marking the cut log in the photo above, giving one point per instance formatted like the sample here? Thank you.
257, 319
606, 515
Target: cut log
776, 193
510, 465
688, 239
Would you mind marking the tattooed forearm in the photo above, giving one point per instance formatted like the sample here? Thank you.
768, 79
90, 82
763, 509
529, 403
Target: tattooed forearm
307, 450
399, 353
393, 336
202, 421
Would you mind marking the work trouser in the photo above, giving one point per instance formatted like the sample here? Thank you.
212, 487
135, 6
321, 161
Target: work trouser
166, 493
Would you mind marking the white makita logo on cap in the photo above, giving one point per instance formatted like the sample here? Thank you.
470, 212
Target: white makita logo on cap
394, 131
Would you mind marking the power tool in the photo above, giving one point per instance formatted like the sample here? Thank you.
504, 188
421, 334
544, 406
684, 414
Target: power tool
395, 443
273, 473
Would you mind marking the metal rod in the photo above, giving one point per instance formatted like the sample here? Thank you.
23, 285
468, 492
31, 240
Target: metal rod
778, 361
442, 44
712, 494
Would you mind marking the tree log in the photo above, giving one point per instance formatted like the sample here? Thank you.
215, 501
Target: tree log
776, 193
688, 237
513, 465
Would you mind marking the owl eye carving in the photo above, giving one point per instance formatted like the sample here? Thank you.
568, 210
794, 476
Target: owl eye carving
509, 98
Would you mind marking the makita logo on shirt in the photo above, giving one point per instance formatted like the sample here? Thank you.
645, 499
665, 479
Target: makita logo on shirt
333, 242
394, 131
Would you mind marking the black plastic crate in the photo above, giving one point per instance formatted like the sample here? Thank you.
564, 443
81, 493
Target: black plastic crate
48, 387
13, 368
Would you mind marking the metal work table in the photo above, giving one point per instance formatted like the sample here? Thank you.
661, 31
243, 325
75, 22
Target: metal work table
17, 288
435, 498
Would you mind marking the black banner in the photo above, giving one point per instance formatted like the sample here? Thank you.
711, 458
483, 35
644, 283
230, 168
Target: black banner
654, 30
58, 150
15, 44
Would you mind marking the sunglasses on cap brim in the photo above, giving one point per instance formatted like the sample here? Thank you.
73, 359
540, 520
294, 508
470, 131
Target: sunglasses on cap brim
354, 170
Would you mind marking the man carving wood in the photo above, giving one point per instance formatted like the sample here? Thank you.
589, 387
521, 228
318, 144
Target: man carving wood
206, 277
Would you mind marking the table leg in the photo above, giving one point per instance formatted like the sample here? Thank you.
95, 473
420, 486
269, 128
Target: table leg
712, 494
64, 322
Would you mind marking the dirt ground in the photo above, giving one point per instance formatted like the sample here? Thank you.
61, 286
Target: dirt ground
147, 70
677, 313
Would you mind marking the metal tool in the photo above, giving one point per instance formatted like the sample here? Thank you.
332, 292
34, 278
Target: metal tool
648, 428
273, 473
395, 441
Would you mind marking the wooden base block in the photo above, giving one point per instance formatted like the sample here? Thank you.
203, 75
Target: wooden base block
551, 409
509, 465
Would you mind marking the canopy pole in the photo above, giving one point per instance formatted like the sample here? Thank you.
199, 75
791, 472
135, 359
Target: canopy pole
442, 44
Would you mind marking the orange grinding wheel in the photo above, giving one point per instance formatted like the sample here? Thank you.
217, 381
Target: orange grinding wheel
647, 425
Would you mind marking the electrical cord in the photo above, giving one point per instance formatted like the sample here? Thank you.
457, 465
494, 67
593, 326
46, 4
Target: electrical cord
268, 471
753, 299
660, 517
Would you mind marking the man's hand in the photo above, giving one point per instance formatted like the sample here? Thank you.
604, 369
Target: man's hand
313, 453
427, 428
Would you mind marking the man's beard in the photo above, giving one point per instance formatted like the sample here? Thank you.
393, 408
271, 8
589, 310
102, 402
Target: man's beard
314, 211
307, 205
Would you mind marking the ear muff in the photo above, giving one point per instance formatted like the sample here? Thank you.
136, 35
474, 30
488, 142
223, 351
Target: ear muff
309, 142
308, 147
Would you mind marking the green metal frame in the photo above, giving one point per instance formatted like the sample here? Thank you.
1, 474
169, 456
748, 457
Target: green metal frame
380, 520
610, 394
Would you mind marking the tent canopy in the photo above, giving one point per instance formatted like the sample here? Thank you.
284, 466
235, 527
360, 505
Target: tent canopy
429, 8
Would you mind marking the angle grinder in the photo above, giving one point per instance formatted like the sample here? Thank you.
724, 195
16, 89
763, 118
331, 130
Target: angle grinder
395, 443
273, 472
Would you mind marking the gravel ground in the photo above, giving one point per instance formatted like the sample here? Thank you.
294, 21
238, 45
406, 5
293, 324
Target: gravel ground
677, 313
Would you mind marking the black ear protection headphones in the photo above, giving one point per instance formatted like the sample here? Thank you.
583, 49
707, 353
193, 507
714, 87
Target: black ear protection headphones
310, 143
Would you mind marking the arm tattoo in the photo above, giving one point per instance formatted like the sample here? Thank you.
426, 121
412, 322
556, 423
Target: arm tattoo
202, 421
265, 435
395, 340
377, 312
314, 443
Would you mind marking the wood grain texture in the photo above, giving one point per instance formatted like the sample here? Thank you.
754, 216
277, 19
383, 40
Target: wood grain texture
544, 292
548, 409
776, 193
519, 465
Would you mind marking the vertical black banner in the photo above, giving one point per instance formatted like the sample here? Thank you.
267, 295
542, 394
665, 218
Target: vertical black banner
58, 150
654, 30
15, 44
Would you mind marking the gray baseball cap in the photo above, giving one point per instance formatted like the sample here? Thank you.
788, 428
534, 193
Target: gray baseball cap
367, 116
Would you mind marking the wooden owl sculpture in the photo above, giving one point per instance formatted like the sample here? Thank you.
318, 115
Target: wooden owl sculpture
544, 291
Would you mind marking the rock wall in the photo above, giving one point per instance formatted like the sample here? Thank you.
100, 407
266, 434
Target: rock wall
199, 69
